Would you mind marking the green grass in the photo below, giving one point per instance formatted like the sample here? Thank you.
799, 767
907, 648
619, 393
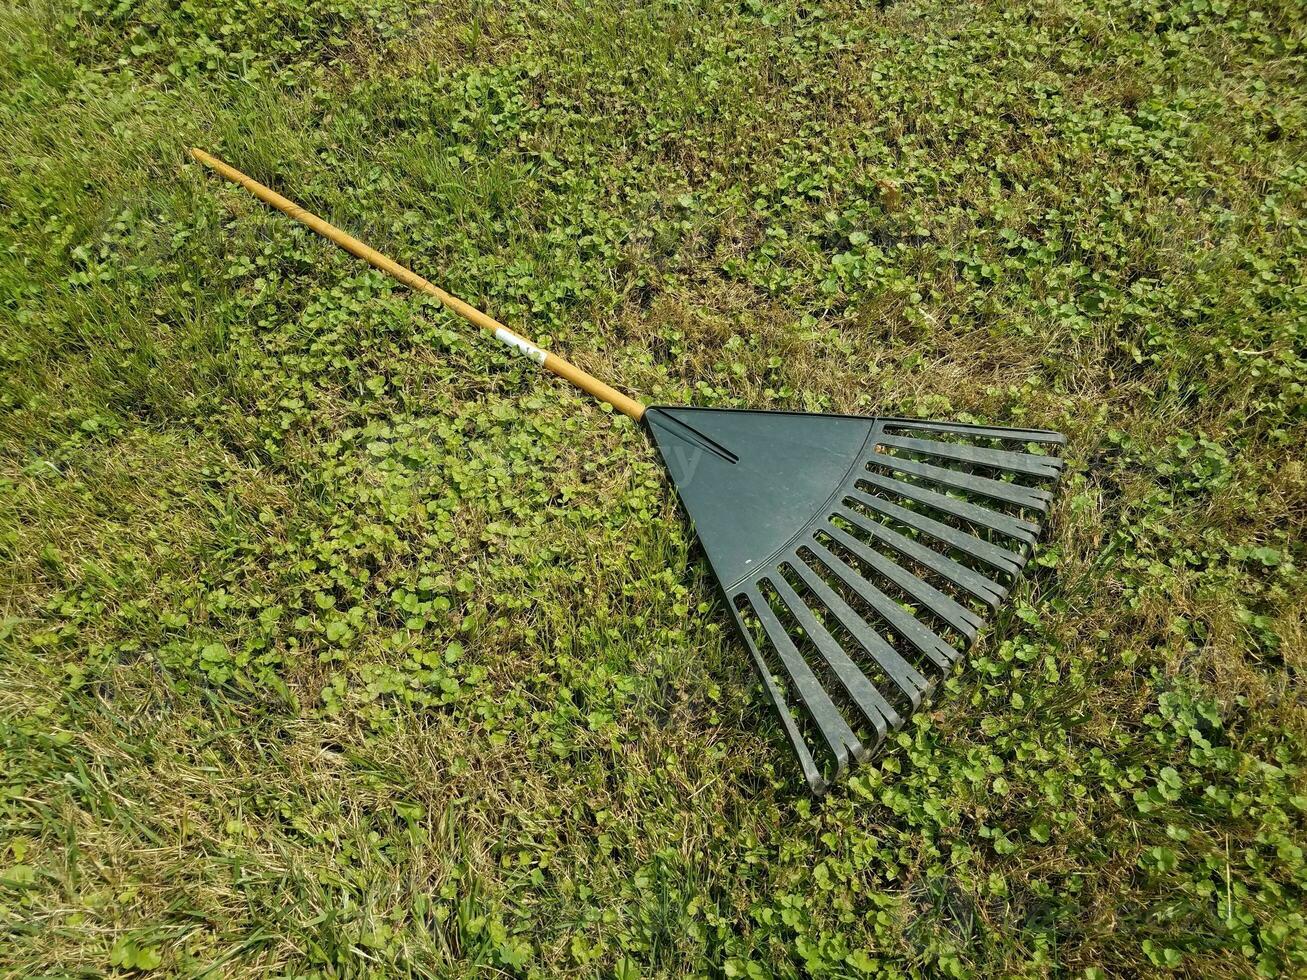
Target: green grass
334, 641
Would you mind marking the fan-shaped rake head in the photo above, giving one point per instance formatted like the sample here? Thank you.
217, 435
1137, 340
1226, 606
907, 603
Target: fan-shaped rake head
859, 556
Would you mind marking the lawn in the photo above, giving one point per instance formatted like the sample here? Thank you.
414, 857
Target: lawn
336, 641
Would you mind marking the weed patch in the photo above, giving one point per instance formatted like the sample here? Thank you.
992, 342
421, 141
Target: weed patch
337, 642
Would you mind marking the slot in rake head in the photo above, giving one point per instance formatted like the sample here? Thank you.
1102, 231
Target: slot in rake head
858, 555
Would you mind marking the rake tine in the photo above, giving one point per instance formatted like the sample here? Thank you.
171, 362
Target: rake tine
905, 676
1030, 497
807, 764
1047, 467
874, 707
959, 617
903, 622
980, 431
992, 555
992, 519
982, 588
839, 736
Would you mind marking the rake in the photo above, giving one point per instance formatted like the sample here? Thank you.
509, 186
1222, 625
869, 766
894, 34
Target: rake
857, 555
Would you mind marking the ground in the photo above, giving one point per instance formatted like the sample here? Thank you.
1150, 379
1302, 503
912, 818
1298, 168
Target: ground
337, 641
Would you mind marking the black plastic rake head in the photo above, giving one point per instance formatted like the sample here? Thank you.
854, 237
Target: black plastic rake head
858, 555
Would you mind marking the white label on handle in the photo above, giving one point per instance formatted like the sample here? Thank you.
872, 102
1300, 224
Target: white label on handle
520, 344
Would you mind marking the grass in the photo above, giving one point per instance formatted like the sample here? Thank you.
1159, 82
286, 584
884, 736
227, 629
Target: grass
337, 642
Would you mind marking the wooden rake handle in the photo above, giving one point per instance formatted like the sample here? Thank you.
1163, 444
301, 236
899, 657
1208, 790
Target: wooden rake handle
562, 367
